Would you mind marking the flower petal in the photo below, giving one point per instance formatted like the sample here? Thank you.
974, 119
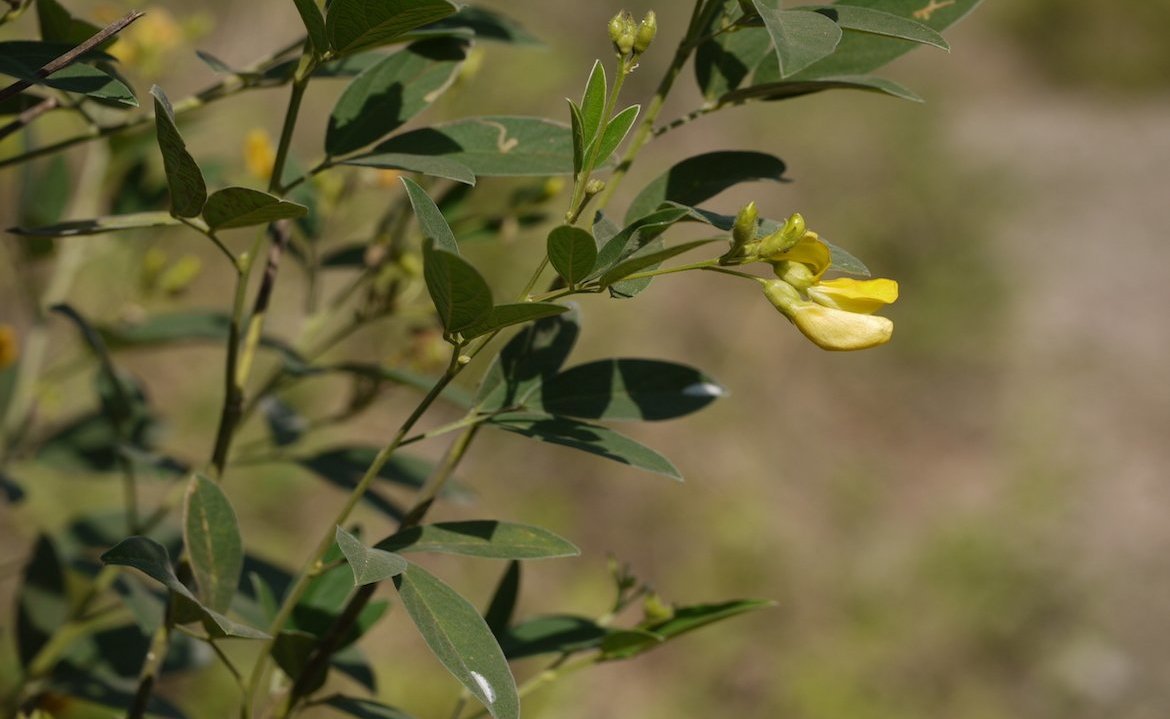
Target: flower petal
844, 293
808, 250
833, 329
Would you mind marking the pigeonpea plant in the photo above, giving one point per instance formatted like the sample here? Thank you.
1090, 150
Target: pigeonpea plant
111, 606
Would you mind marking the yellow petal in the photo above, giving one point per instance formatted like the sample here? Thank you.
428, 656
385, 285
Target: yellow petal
259, 154
9, 346
866, 296
808, 250
833, 329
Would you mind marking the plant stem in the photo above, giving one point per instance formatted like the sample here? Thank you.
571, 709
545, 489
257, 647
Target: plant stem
579, 200
155, 656
314, 563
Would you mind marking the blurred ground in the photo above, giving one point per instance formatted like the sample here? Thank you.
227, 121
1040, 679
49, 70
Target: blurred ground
965, 524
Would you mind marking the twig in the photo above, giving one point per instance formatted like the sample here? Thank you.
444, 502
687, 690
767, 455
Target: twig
69, 57
26, 117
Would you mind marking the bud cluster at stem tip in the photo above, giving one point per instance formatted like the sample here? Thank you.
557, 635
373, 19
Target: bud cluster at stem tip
631, 38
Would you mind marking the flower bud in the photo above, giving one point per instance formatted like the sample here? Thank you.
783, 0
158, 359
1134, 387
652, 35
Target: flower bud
617, 26
647, 29
179, 276
744, 230
785, 237
656, 609
594, 187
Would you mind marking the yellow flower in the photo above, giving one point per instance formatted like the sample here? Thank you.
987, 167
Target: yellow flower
148, 43
259, 154
835, 314
9, 346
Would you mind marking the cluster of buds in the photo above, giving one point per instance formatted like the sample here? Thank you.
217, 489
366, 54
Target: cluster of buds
631, 38
836, 314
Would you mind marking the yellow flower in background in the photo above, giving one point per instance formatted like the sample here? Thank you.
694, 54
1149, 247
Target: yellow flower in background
259, 153
146, 44
9, 346
835, 314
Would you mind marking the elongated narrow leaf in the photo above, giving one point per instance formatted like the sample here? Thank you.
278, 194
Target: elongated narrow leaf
461, 640
647, 258
595, 439
492, 146
878, 22
461, 296
368, 564
43, 602
635, 236
430, 219
553, 634
797, 87
99, 225
211, 534
593, 103
699, 178
484, 24
572, 252
244, 207
502, 606
325, 600
799, 38
689, 618
723, 62
517, 313
481, 538
577, 127
184, 178
58, 25
534, 354
390, 92
23, 58
615, 132
433, 165
354, 25
629, 389
364, 708
314, 24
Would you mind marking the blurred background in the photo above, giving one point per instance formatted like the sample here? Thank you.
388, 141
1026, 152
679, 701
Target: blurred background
967, 523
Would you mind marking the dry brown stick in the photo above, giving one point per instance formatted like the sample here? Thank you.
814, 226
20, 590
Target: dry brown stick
26, 117
68, 58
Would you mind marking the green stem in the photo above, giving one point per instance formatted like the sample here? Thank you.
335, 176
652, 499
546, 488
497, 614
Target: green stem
300, 83
233, 393
155, 656
315, 561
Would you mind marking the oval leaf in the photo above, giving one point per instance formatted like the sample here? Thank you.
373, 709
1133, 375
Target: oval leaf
629, 389
699, 178
461, 640
534, 354
877, 22
354, 25
482, 538
369, 565
800, 38
185, 180
435, 166
572, 252
615, 132
390, 92
593, 104
212, 537
314, 24
648, 257
460, 294
430, 219
552, 634
244, 207
492, 146
516, 313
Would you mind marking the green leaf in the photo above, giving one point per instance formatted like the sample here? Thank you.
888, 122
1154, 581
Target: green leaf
800, 38
502, 606
699, 178
534, 354
354, 25
723, 62
391, 92
629, 389
460, 639
430, 220
591, 438
553, 634
369, 565
797, 87
484, 24
327, 597
43, 602
22, 59
482, 538
243, 207
861, 53
435, 166
576, 126
635, 236
693, 617
99, 225
285, 424
455, 395
492, 146
291, 652
878, 22
364, 708
184, 178
345, 466
572, 252
517, 313
314, 24
58, 25
461, 296
211, 534
616, 131
593, 104
624, 644
647, 258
